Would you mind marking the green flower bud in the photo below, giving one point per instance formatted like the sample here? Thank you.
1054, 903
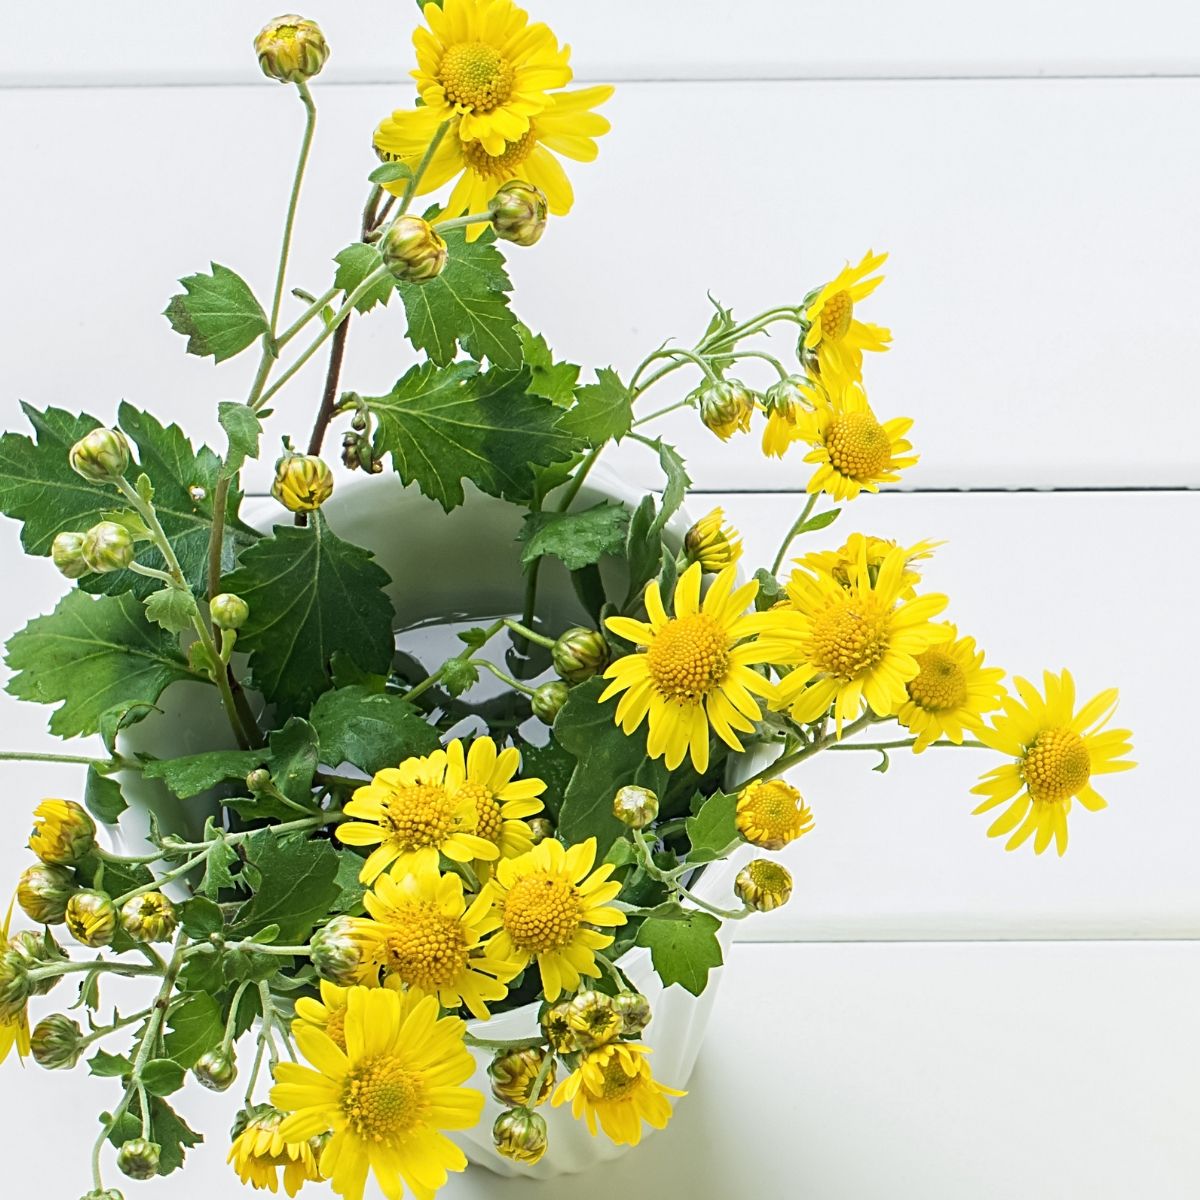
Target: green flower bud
66, 552
788, 397
57, 1042
138, 1158
149, 917
15, 985
634, 1011
291, 49
540, 828
302, 482
228, 611
413, 250
514, 1072
337, 953
547, 700
635, 806
91, 918
712, 543
216, 1069
101, 456
519, 212
579, 654
36, 950
593, 1019
43, 891
103, 1194
726, 407
63, 833
520, 1134
108, 547
258, 780
763, 885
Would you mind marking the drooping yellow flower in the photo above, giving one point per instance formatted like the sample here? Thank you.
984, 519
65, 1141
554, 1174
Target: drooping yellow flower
695, 669
259, 1151
771, 813
1057, 752
837, 337
712, 543
857, 643
854, 453
951, 692
838, 563
14, 1030
543, 906
421, 932
502, 802
613, 1085
327, 1014
386, 1098
783, 402
409, 813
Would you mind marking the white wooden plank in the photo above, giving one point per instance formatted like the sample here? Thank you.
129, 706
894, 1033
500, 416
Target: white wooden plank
145, 42
1042, 237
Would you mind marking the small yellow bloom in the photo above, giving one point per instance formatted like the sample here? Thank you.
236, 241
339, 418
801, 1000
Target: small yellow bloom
712, 543
302, 482
63, 833
783, 402
1057, 751
259, 1151
840, 563
327, 1014
771, 813
594, 1019
763, 885
91, 919
836, 337
614, 1086
487, 779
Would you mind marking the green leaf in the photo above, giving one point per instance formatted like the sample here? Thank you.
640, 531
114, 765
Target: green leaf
603, 410
172, 608
200, 918
643, 548
577, 539
295, 883
172, 1134
370, 729
130, 520
350, 888
467, 305
103, 798
390, 172
311, 595
770, 590
217, 313
683, 946
444, 426
293, 761
109, 1066
712, 830
92, 654
553, 381
195, 1027
162, 1076
217, 875
355, 263
196, 773
552, 764
677, 483
243, 428
820, 521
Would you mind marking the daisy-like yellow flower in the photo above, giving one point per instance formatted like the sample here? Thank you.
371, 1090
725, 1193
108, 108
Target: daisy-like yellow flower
422, 933
327, 1014
712, 543
838, 563
259, 1152
771, 813
410, 815
502, 802
856, 643
853, 452
951, 692
14, 1030
1057, 752
544, 905
837, 337
613, 1085
385, 1098
694, 671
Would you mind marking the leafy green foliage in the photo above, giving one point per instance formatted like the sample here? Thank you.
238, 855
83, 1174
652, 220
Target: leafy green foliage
295, 882
683, 945
370, 729
553, 765
195, 773
677, 483
172, 608
243, 428
162, 1076
603, 409
553, 381
217, 313
311, 595
167, 1128
770, 590
355, 263
194, 1026
200, 917
293, 763
109, 1066
712, 830
577, 539
91, 654
103, 798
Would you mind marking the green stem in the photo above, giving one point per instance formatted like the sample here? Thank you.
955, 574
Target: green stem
414, 182
611, 967
231, 1020
464, 654
54, 970
793, 533
75, 759
151, 573
904, 743
646, 860
307, 315
462, 222
783, 371
503, 1043
661, 412
102, 1031
539, 1081
529, 635
503, 676
820, 742
310, 124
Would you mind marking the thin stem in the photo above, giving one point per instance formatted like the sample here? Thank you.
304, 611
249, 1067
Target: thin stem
151, 573
783, 371
307, 315
167, 877
646, 860
414, 182
310, 124
75, 759
613, 973
503, 676
662, 412
464, 654
793, 533
503, 1043
483, 218
529, 635
904, 743
539, 1081
820, 742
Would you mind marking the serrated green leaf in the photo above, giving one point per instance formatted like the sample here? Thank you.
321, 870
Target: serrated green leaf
293, 761
109, 1066
602, 410
677, 484
712, 830
643, 548
295, 883
217, 313
103, 798
167, 1129
350, 888
162, 1076
683, 947
129, 520
355, 263
553, 381
196, 773
217, 875
576, 539
172, 608
195, 1027
243, 429
370, 729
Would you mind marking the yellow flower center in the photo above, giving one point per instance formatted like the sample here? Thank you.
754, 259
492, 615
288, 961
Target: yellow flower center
542, 912
476, 77
418, 815
503, 165
1057, 765
836, 314
941, 683
689, 657
425, 947
771, 814
488, 821
382, 1099
335, 1027
851, 634
858, 446
617, 1084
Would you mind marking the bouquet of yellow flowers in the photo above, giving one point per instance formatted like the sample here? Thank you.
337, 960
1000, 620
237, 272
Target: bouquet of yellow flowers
397, 846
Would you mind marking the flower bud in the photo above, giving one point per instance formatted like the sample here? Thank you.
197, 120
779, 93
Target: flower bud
712, 543
413, 250
149, 917
66, 552
101, 456
520, 1134
593, 1019
302, 482
726, 407
91, 918
43, 891
771, 813
514, 1072
556, 1025
258, 780
108, 547
35, 950
788, 398
216, 1069
138, 1158
519, 212
291, 49
57, 1042
763, 885
63, 833
635, 806
579, 654
228, 611
103, 1194
15, 985
634, 1010
540, 828
547, 700
337, 952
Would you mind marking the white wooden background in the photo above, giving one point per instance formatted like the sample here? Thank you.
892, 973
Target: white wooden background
1030, 168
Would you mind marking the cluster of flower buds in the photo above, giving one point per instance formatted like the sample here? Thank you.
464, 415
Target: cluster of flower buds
20, 959
291, 49
726, 406
592, 1019
302, 482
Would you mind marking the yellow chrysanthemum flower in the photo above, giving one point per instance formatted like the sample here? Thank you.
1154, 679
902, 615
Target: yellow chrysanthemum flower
259, 1151
484, 63
14, 1030
695, 669
838, 563
1057, 751
951, 692
544, 905
502, 802
836, 336
385, 1098
854, 453
613, 1085
783, 402
771, 813
410, 814
422, 933
327, 1014
856, 643
712, 543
